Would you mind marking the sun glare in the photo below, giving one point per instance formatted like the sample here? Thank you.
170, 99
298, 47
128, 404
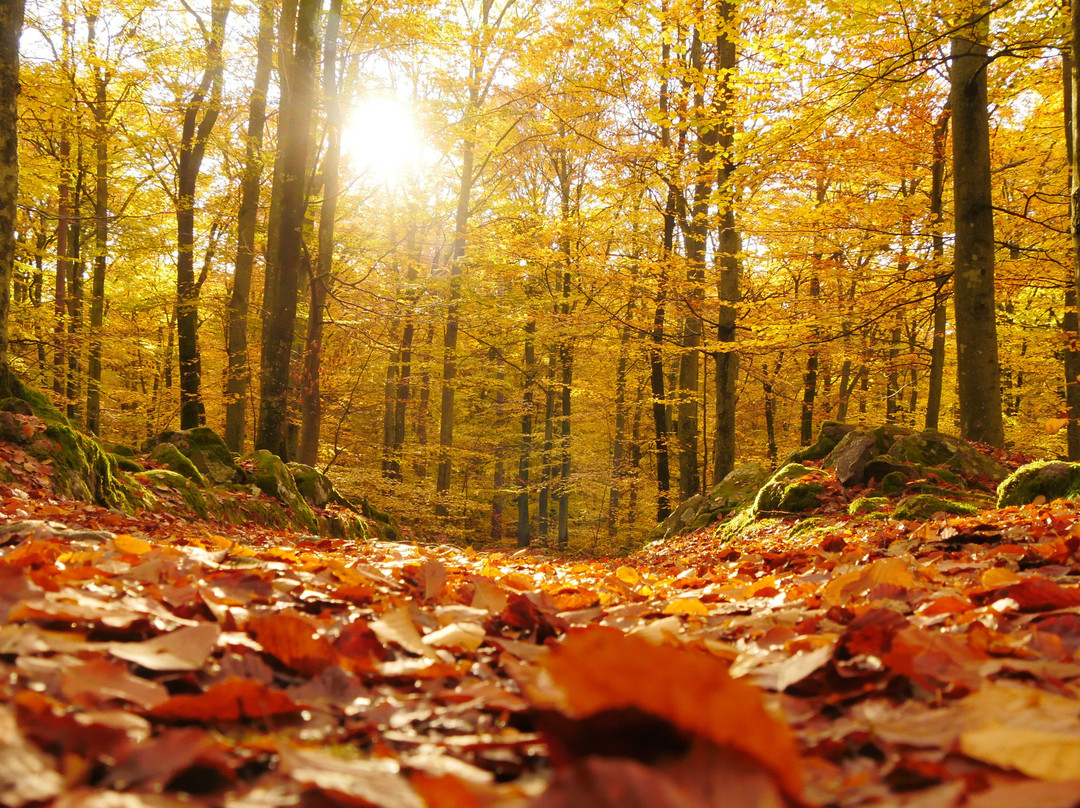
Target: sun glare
381, 139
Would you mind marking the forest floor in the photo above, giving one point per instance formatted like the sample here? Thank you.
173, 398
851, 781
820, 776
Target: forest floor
160, 661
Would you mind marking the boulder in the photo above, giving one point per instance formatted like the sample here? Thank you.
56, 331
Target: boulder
679, 520
972, 464
274, 479
830, 434
850, 456
316, 487
867, 505
925, 506
793, 489
926, 448
206, 451
168, 455
1054, 479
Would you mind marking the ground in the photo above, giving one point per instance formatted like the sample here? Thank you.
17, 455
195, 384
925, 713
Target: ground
161, 660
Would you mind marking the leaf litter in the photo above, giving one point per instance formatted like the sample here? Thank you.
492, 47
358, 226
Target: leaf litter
161, 661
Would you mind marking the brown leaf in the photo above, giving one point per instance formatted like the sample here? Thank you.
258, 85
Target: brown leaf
231, 700
26, 774
166, 758
367, 782
98, 681
185, 649
295, 641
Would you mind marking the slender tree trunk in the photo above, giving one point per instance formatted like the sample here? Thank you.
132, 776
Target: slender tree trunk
770, 411
322, 278
498, 496
200, 115
101, 239
525, 457
546, 473
978, 370
282, 286
661, 424
404, 383
937, 192
390, 383
619, 453
238, 378
730, 260
810, 376
75, 306
423, 406
11, 19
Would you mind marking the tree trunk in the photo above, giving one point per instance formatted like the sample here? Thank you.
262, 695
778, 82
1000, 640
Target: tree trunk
282, 282
11, 19
200, 115
524, 459
238, 378
941, 279
1071, 77
729, 251
101, 238
546, 473
499, 477
322, 278
978, 371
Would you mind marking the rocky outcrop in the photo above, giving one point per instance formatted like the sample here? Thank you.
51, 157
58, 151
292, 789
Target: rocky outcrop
1053, 479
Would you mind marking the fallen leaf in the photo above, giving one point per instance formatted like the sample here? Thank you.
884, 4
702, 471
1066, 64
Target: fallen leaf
185, 649
230, 700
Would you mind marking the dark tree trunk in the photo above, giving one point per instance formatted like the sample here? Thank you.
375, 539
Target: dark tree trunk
200, 115
101, 238
283, 270
322, 277
525, 457
11, 19
978, 370
936, 380
498, 496
1070, 57
238, 378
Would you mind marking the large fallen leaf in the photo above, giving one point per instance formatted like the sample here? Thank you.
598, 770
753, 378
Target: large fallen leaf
596, 670
294, 640
1046, 754
397, 626
231, 700
98, 681
373, 782
185, 649
26, 775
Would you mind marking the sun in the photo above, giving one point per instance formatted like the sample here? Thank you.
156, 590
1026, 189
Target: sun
381, 139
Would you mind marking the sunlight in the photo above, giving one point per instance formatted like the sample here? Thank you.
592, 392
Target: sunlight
381, 141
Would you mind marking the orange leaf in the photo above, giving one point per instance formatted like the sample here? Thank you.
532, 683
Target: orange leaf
231, 700
294, 641
597, 669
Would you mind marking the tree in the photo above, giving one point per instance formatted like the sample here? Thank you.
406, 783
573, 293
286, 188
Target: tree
200, 114
298, 52
238, 377
11, 19
978, 370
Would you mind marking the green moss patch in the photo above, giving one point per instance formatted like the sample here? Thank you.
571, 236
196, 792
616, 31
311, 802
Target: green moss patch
924, 506
1052, 479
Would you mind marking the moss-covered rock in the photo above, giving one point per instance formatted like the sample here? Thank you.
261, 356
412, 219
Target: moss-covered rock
385, 525
926, 448
316, 487
274, 479
193, 495
206, 451
168, 455
924, 506
128, 464
972, 465
830, 434
867, 505
793, 489
1052, 479
895, 482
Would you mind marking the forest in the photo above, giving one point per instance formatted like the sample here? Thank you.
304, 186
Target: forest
540, 271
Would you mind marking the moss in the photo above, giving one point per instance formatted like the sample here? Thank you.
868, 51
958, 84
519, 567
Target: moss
82, 470
810, 525
11, 386
894, 482
972, 464
1053, 479
702, 519
789, 492
127, 464
926, 448
118, 449
205, 450
193, 495
385, 524
924, 506
275, 480
829, 435
317, 488
867, 505
174, 460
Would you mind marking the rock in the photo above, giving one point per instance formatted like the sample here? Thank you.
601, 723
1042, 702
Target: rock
14, 430
16, 405
865, 505
316, 487
274, 479
830, 434
972, 464
926, 448
850, 456
895, 482
881, 467
679, 520
206, 451
789, 491
191, 492
168, 455
737, 488
924, 506
1054, 479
